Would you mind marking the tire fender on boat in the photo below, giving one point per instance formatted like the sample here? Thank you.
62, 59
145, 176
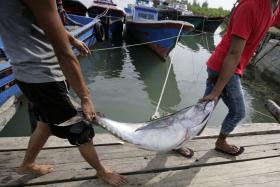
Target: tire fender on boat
99, 31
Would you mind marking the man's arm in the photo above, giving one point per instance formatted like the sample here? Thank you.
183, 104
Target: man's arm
48, 19
229, 66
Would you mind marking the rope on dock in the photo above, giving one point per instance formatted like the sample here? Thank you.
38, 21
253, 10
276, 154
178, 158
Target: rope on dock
263, 114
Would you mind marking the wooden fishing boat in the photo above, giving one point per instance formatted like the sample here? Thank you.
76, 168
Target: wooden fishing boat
210, 24
9, 94
111, 17
85, 29
3, 56
143, 24
74, 7
195, 20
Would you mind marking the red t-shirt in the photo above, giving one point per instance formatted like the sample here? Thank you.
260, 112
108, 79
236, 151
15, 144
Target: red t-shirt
250, 21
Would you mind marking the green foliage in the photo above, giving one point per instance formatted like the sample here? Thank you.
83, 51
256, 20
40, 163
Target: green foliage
205, 11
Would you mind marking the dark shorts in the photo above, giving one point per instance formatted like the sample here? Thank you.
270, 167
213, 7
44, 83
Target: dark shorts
50, 103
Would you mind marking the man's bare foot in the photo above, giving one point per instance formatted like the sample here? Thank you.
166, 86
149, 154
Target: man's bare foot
34, 168
112, 178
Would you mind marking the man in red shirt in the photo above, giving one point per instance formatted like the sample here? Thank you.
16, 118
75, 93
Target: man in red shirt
248, 25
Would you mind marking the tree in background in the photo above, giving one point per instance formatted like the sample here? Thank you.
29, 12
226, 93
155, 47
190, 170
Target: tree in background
195, 3
205, 4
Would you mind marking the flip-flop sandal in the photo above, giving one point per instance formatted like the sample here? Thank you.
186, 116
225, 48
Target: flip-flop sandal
183, 152
239, 152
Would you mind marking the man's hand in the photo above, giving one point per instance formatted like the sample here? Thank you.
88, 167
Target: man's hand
81, 46
210, 97
88, 108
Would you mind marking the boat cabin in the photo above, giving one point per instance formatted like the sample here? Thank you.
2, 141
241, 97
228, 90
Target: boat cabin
145, 13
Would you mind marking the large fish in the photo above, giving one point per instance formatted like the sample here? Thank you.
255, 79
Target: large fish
163, 134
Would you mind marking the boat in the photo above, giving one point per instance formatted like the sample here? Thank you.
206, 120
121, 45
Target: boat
74, 7
145, 24
3, 56
86, 29
195, 20
8, 86
9, 94
210, 24
111, 17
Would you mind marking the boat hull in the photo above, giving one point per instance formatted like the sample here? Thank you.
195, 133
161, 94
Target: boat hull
191, 19
210, 24
202, 23
85, 32
8, 86
165, 31
74, 7
112, 20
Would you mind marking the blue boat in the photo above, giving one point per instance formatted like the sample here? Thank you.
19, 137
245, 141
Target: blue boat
111, 17
143, 23
3, 56
9, 94
8, 86
74, 7
85, 29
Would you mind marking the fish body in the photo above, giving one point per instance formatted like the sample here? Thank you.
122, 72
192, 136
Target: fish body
163, 134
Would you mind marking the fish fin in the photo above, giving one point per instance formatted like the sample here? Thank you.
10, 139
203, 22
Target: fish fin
153, 126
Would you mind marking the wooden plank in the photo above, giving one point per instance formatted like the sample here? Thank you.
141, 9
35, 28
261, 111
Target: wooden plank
257, 173
128, 159
15, 143
127, 150
244, 129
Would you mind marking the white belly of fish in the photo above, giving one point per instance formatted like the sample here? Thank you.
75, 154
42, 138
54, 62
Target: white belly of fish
161, 139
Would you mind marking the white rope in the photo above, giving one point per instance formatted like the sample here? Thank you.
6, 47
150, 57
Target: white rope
156, 114
102, 14
144, 43
264, 114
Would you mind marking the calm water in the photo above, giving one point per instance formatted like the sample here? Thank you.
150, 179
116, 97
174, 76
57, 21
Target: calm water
126, 83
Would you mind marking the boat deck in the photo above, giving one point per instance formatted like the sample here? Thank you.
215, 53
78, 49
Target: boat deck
259, 165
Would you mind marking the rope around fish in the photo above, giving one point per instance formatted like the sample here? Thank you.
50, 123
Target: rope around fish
156, 114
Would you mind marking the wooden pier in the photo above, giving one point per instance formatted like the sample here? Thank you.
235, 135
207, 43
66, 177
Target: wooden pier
259, 165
